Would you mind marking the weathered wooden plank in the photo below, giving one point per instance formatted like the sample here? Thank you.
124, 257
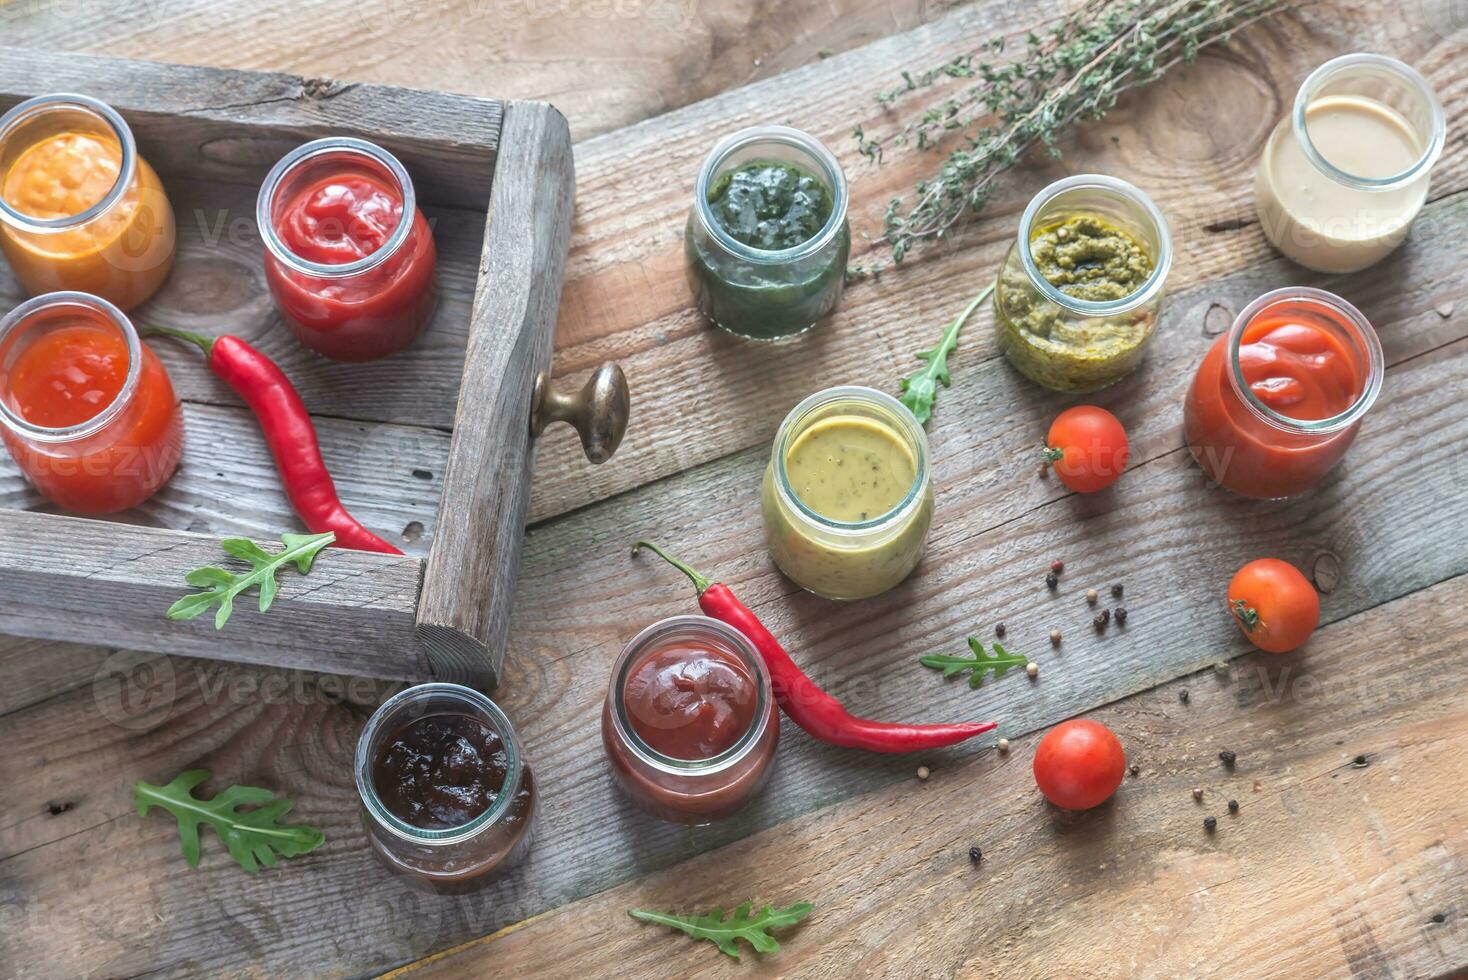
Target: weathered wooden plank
699, 395
1172, 544
232, 126
1328, 868
388, 475
468, 581
38, 669
605, 65
110, 583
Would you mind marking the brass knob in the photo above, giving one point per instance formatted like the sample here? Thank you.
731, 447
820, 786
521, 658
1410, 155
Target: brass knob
598, 410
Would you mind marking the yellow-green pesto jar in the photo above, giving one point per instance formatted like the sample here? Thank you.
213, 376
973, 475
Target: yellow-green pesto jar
847, 495
1071, 336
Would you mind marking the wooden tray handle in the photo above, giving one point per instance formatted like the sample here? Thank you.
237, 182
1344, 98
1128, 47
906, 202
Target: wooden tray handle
598, 410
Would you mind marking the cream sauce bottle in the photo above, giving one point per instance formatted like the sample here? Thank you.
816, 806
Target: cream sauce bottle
1343, 176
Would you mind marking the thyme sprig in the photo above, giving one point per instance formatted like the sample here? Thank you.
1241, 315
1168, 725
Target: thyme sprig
1073, 69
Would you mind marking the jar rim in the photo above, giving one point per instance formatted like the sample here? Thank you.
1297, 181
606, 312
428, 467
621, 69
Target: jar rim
127, 166
671, 765
303, 155
18, 318
801, 140
916, 438
405, 700
1305, 97
1161, 262
1348, 315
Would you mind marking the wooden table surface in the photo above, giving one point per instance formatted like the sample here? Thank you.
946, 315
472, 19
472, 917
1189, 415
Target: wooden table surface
1349, 854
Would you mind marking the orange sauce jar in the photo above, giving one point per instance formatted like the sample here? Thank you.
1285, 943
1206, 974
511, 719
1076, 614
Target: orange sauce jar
88, 412
80, 209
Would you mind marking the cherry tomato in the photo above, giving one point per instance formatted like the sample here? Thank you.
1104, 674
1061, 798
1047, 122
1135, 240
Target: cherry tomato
1087, 446
1079, 764
1274, 604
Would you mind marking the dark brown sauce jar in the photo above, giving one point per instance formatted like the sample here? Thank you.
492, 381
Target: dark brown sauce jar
447, 795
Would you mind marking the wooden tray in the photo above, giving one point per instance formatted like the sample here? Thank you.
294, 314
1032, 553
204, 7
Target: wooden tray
431, 447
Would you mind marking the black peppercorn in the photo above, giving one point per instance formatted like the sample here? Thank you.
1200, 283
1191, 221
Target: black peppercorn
999, 629
1116, 590
1052, 580
1183, 695
1227, 757
1121, 615
1102, 618
1210, 824
975, 855
1359, 762
1135, 770
1233, 806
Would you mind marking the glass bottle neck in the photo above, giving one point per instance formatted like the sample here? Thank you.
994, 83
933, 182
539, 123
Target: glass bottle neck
48, 116
422, 701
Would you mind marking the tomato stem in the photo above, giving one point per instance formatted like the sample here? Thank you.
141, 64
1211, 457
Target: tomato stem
1247, 616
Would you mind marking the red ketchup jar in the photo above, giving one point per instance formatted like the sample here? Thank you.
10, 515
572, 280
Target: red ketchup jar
1279, 398
689, 724
447, 796
348, 256
89, 414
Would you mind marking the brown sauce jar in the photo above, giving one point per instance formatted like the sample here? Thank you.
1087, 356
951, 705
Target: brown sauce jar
447, 795
689, 723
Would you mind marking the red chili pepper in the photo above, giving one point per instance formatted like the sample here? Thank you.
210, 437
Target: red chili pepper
289, 433
808, 706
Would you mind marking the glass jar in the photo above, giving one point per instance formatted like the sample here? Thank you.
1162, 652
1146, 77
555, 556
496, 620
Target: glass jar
690, 791
848, 559
1247, 446
1344, 174
1070, 344
458, 858
349, 258
767, 294
80, 209
62, 349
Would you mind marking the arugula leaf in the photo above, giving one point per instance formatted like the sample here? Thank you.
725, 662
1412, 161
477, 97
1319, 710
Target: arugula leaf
253, 837
222, 586
740, 924
977, 665
920, 391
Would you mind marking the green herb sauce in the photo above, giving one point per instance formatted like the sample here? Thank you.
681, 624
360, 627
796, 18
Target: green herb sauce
1085, 257
769, 206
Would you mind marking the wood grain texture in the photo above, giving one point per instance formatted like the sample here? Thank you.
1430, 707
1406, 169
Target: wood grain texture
1329, 868
469, 577
232, 126
604, 64
63, 580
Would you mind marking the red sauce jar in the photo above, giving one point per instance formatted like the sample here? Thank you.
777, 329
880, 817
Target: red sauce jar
89, 413
1279, 398
447, 795
349, 257
689, 724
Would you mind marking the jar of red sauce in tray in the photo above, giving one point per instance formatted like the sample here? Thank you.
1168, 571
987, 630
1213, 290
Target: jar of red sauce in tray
447, 795
1278, 399
88, 411
689, 724
348, 256
80, 209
